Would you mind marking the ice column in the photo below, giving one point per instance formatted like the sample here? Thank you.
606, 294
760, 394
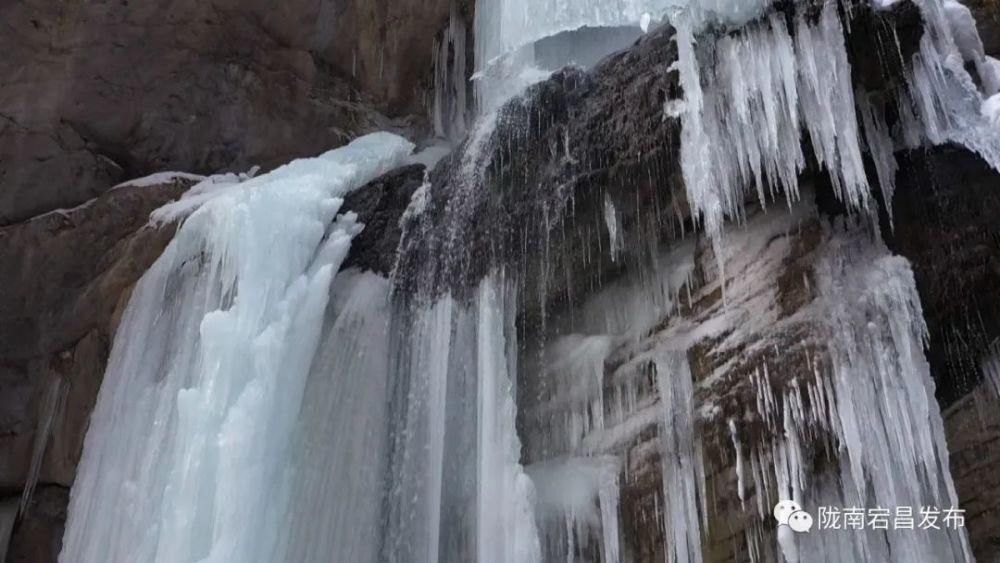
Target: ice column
342, 438
451, 108
507, 532
457, 447
682, 462
886, 417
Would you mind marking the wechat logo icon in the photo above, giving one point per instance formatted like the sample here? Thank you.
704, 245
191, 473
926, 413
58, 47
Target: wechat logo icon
789, 513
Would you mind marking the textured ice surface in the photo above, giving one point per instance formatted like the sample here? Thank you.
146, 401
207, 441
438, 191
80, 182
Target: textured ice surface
578, 502
505, 26
338, 457
682, 462
186, 459
451, 108
743, 114
456, 489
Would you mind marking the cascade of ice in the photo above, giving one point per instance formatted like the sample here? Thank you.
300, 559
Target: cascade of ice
343, 434
185, 459
883, 410
578, 508
506, 26
456, 446
871, 393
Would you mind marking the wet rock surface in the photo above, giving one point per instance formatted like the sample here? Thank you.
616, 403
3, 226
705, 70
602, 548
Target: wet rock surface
946, 225
380, 206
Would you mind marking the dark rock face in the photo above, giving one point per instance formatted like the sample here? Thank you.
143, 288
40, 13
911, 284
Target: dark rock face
380, 206
39, 536
945, 215
532, 196
96, 92
73, 271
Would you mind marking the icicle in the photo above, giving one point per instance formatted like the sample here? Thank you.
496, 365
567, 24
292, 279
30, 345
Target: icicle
942, 94
739, 461
682, 461
744, 110
613, 223
47, 411
887, 419
610, 532
881, 149
451, 110
507, 532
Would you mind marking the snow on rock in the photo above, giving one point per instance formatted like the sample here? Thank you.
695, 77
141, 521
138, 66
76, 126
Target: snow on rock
159, 178
991, 110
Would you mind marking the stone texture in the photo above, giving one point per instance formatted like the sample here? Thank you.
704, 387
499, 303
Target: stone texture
972, 425
73, 270
531, 197
38, 537
945, 215
380, 206
987, 14
96, 92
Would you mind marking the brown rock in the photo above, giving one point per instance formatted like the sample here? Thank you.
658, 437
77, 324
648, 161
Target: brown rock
94, 92
72, 271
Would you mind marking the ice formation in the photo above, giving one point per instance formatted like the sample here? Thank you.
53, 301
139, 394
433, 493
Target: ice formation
750, 94
505, 26
577, 505
682, 461
55, 393
220, 433
184, 460
451, 107
743, 116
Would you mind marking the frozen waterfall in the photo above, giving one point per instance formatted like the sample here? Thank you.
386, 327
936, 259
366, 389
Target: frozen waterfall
185, 456
263, 405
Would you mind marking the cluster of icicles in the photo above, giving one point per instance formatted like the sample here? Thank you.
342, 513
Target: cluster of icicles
261, 406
